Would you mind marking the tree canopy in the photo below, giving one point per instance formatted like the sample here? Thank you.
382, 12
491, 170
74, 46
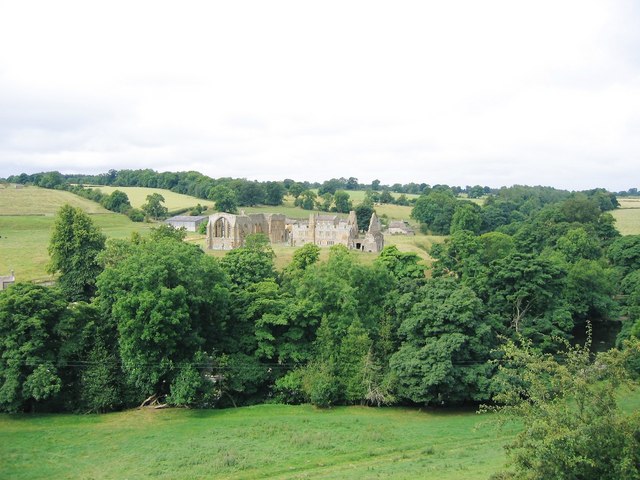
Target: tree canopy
73, 248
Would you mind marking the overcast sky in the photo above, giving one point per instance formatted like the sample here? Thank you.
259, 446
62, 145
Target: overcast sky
458, 92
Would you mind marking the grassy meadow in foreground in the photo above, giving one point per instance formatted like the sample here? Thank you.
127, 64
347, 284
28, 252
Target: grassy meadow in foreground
266, 441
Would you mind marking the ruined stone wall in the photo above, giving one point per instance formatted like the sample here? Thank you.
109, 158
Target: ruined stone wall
226, 231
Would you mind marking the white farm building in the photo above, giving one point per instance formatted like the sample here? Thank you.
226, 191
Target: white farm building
189, 223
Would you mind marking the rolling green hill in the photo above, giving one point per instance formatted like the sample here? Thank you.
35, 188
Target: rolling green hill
27, 216
42, 201
26, 220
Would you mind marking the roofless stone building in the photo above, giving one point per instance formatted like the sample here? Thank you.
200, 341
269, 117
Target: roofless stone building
226, 231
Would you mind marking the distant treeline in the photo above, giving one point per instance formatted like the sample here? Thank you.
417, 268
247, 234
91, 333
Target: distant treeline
251, 193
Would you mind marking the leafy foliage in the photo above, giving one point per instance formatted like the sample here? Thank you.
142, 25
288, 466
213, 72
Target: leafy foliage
74, 246
30, 345
573, 426
168, 301
445, 346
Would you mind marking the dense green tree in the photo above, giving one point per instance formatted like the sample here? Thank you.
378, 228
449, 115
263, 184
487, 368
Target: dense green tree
331, 186
154, 207
169, 301
100, 381
590, 290
624, 253
573, 427
363, 215
371, 196
476, 191
401, 265
225, 198
342, 202
497, 213
386, 197
352, 184
250, 193
29, 346
580, 208
446, 344
296, 189
117, 201
325, 204
630, 290
435, 211
527, 293
605, 228
304, 257
73, 248
466, 217
274, 193
402, 200
578, 244
352, 360
495, 245
306, 200
164, 230
606, 201
460, 255
251, 263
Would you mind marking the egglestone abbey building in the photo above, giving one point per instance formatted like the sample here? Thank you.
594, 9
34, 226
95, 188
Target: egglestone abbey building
226, 231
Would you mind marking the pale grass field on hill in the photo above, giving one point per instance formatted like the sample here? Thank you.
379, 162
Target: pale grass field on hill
26, 221
41, 201
173, 201
628, 216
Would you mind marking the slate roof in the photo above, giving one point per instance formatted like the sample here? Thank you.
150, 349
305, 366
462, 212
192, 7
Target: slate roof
186, 218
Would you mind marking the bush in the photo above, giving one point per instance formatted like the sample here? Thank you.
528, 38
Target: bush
290, 389
321, 385
135, 215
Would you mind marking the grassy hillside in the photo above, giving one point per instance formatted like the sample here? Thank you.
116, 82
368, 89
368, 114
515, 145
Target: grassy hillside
26, 220
267, 441
173, 201
357, 196
41, 201
628, 216
24, 241
27, 215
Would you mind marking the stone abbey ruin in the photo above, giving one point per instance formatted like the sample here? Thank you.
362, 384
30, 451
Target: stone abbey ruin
226, 231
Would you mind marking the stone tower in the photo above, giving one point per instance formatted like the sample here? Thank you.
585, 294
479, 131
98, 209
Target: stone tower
373, 239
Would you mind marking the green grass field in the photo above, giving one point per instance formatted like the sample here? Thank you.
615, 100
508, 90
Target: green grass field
41, 201
628, 216
26, 221
357, 196
266, 441
24, 241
